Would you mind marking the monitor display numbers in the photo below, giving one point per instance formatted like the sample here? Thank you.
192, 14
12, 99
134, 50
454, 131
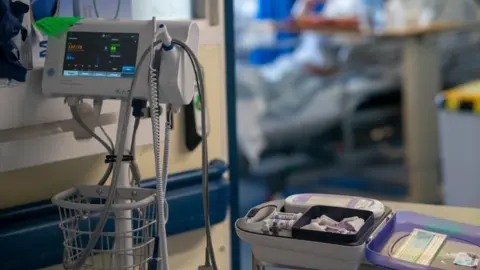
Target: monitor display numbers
96, 54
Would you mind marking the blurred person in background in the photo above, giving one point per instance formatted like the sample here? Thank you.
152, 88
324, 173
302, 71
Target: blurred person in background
281, 84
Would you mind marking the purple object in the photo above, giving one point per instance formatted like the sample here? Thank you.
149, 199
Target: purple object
303, 199
408, 221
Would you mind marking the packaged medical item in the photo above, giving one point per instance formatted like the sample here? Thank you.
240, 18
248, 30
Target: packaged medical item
286, 216
284, 224
324, 220
350, 225
280, 222
467, 260
421, 247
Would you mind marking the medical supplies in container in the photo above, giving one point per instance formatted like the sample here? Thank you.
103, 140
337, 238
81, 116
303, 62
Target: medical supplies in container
390, 240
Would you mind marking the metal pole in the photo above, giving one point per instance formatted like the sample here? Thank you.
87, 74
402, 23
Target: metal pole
123, 219
422, 82
347, 109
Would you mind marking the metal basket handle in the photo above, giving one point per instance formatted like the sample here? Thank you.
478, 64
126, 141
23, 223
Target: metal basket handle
60, 201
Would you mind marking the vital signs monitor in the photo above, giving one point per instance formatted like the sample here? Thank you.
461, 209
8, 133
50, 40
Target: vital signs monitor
99, 59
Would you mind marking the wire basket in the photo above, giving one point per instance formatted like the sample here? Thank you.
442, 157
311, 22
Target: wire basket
127, 239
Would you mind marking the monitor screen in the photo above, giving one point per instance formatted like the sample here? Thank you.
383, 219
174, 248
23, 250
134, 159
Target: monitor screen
96, 54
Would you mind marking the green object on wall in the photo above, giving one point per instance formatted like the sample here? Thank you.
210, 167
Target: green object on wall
53, 26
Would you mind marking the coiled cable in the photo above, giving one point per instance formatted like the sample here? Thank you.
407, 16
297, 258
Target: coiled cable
155, 107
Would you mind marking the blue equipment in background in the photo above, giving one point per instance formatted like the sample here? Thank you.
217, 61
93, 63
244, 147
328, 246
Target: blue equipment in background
277, 10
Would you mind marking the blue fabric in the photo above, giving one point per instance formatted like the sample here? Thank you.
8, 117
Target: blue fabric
277, 10
11, 18
43, 8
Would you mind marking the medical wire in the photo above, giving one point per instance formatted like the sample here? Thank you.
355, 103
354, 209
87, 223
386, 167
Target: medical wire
210, 252
109, 139
116, 172
117, 12
156, 129
82, 124
78, 119
166, 155
134, 168
109, 147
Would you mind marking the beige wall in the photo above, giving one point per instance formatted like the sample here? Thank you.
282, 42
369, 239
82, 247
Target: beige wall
38, 183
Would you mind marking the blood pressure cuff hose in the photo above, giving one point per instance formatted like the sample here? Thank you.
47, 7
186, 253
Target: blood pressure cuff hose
11, 18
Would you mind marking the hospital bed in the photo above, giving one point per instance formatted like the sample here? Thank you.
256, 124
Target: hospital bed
294, 119
298, 117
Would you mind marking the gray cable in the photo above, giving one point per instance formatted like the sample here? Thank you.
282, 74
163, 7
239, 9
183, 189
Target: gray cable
166, 155
82, 124
201, 89
78, 119
116, 172
109, 139
133, 165
117, 12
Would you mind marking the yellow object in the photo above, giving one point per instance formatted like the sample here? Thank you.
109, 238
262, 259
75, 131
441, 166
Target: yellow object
466, 96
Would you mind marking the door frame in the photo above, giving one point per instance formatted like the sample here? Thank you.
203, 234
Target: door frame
230, 87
